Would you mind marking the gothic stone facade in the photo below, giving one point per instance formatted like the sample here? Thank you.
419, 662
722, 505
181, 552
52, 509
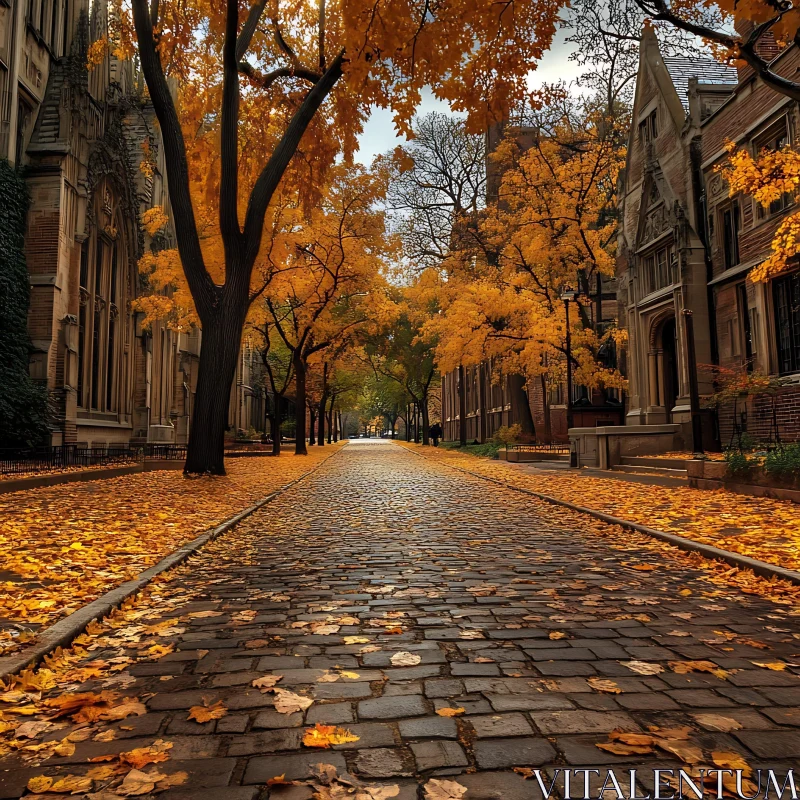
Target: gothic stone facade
686, 245
81, 136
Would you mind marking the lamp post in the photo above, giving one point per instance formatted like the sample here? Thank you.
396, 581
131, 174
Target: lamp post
567, 295
694, 393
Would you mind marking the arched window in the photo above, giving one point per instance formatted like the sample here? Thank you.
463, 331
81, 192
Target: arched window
103, 300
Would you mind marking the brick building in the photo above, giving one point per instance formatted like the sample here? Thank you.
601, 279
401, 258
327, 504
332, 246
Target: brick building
685, 244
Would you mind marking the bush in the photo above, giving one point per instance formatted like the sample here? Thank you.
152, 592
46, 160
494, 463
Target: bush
507, 435
23, 401
740, 465
784, 462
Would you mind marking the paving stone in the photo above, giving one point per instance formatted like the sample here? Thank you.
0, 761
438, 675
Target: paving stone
529, 702
370, 734
273, 719
294, 767
392, 707
521, 752
330, 713
382, 762
438, 754
265, 742
428, 728
771, 745
566, 722
499, 786
501, 725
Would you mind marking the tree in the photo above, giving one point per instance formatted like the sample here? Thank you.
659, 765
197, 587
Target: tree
23, 402
399, 352
335, 284
254, 81
438, 180
552, 228
277, 361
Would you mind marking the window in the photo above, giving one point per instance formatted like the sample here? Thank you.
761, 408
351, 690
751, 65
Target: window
648, 128
747, 330
730, 235
659, 269
776, 138
786, 295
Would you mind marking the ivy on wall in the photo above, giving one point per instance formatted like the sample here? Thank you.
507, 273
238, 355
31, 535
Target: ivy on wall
23, 401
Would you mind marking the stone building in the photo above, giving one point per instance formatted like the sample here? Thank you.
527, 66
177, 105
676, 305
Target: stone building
685, 245
81, 136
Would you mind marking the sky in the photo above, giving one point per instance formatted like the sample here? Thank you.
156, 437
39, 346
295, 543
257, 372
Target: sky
379, 134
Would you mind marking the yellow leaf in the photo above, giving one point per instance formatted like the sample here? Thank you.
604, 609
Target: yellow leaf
326, 736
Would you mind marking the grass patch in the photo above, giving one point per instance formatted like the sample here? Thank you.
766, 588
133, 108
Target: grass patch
486, 450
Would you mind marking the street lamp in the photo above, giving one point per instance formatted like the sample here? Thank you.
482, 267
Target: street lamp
568, 295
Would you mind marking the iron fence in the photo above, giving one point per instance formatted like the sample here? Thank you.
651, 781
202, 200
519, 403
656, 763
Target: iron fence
21, 461
165, 452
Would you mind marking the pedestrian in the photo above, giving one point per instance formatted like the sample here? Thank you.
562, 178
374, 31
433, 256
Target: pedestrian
435, 432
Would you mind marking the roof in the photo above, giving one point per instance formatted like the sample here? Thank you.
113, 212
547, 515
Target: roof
706, 70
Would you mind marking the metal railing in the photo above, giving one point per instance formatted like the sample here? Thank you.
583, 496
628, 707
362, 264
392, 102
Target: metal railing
552, 447
165, 452
22, 461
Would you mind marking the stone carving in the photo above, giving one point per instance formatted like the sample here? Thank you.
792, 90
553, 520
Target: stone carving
656, 222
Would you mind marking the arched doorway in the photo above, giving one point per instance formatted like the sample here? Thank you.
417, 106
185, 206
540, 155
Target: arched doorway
669, 368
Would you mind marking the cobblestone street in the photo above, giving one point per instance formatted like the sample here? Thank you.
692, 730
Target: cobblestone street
386, 588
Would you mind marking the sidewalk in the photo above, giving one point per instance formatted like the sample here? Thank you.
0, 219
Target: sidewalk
63, 546
758, 527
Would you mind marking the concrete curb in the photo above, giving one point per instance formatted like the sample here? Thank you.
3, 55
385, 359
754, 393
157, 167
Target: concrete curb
65, 630
761, 568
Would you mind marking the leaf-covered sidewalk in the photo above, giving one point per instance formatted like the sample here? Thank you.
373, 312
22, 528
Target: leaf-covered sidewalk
63, 546
759, 527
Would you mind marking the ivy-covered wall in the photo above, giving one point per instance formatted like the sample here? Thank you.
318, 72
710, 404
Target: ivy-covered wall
23, 401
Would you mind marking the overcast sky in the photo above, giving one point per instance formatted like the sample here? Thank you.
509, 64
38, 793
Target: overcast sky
379, 134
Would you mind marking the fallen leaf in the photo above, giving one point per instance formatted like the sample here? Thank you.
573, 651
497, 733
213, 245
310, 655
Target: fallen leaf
436, 789
777, 666
604, 685
266, 682
404, 659
684, 667
643, 667
207, 713
716, 722
557, 635
449, 712
327, 735
287, 702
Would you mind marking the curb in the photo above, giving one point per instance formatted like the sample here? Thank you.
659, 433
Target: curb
761, 568
65, 630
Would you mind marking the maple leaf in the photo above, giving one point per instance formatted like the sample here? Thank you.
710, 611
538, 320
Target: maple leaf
206, 713
326, 736
142, 756
684, 667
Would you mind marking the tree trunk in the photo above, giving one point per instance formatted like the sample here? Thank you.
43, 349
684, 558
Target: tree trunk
299, 405
408, 422
425, 421
341, 425
312, 425
516, 383
330, 423
274, 424
218, 358
462, 406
